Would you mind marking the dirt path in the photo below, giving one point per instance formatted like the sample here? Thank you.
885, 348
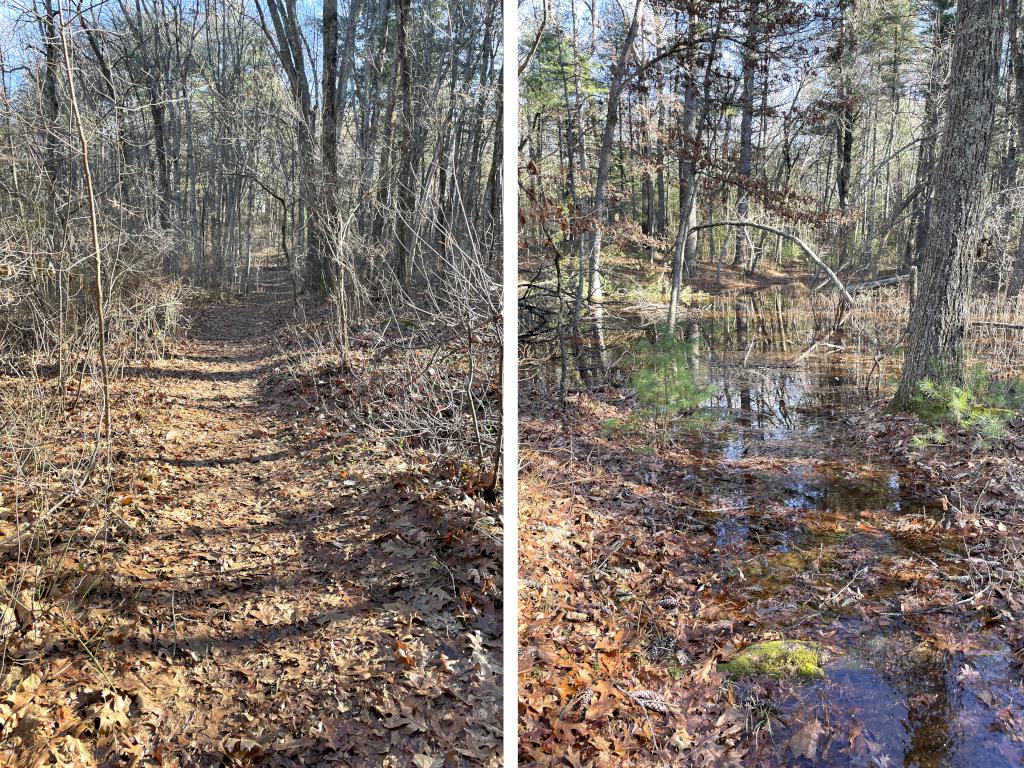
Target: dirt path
289, 592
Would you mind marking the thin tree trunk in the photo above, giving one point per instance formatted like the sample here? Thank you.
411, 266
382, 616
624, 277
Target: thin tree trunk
743, 255
597, 212
407, 171
93, 223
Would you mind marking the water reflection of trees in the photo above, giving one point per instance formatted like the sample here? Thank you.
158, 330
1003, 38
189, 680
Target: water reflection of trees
741, 340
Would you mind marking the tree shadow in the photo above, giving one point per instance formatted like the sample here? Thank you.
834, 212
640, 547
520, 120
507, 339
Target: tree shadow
196, 374
280, 604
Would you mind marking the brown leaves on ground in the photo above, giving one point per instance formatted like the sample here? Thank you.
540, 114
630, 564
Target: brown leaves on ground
617, 660
804, 743
981, 487
641, 570
274, 589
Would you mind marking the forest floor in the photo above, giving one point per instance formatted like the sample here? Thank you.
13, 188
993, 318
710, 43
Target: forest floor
792, 509
271, 587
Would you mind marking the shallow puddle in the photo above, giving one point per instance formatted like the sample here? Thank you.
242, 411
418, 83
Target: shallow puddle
836, 517
915, 707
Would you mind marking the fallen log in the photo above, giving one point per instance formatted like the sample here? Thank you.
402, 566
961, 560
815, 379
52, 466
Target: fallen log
808, 252
872, 284
997, 324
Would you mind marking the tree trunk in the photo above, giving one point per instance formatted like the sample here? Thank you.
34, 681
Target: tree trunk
329, 145
1017, 63
93, 224
407, 171
742, 259
920, 219
845, 120
50, 164
938, 321
685, 243
597, 212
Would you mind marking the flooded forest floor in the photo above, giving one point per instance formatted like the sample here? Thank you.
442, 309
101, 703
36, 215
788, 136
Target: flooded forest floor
270, 584
789, 506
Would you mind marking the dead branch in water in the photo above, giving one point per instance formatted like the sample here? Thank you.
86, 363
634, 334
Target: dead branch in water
872, 284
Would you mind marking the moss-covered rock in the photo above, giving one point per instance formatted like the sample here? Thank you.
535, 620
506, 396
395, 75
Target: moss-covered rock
776, 658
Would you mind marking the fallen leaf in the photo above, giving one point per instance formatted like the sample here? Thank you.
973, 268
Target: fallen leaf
804, 742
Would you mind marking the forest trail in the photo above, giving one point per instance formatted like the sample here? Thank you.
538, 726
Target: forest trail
280, 593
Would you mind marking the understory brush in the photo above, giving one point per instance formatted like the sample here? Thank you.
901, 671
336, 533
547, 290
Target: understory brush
48, 314
57, 510
423, 383
980, 405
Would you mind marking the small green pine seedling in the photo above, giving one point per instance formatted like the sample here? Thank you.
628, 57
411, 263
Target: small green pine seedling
665, 384
972, 406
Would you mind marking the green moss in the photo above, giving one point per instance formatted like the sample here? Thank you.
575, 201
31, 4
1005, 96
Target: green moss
795, 559
776, 658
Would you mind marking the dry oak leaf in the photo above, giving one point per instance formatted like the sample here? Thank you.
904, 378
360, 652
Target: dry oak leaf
110, 713
804, 742
68, 752
18, 705
241, 749
403, 652
26, 608
8, 622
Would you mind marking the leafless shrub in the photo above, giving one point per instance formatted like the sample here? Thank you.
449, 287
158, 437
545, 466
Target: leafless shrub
46, 313
424, 368
55, 502
51, 504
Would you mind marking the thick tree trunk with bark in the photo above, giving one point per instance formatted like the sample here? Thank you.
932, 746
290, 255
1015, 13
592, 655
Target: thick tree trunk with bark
920, 219
1017, 64
938, 320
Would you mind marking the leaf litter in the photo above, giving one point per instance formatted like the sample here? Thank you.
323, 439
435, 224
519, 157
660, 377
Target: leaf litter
643, 570
279, 589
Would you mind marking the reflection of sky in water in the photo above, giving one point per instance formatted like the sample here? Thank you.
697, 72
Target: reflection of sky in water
768, 406
924, 707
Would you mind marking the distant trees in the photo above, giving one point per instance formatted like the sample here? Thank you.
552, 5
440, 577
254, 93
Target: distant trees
617, 81
834, 124
359, 139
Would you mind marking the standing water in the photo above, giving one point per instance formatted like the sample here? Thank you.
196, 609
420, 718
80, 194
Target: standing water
818, 540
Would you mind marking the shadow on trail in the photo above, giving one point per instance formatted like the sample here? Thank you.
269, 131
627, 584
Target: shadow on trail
287, 606
227, 462
185, 374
